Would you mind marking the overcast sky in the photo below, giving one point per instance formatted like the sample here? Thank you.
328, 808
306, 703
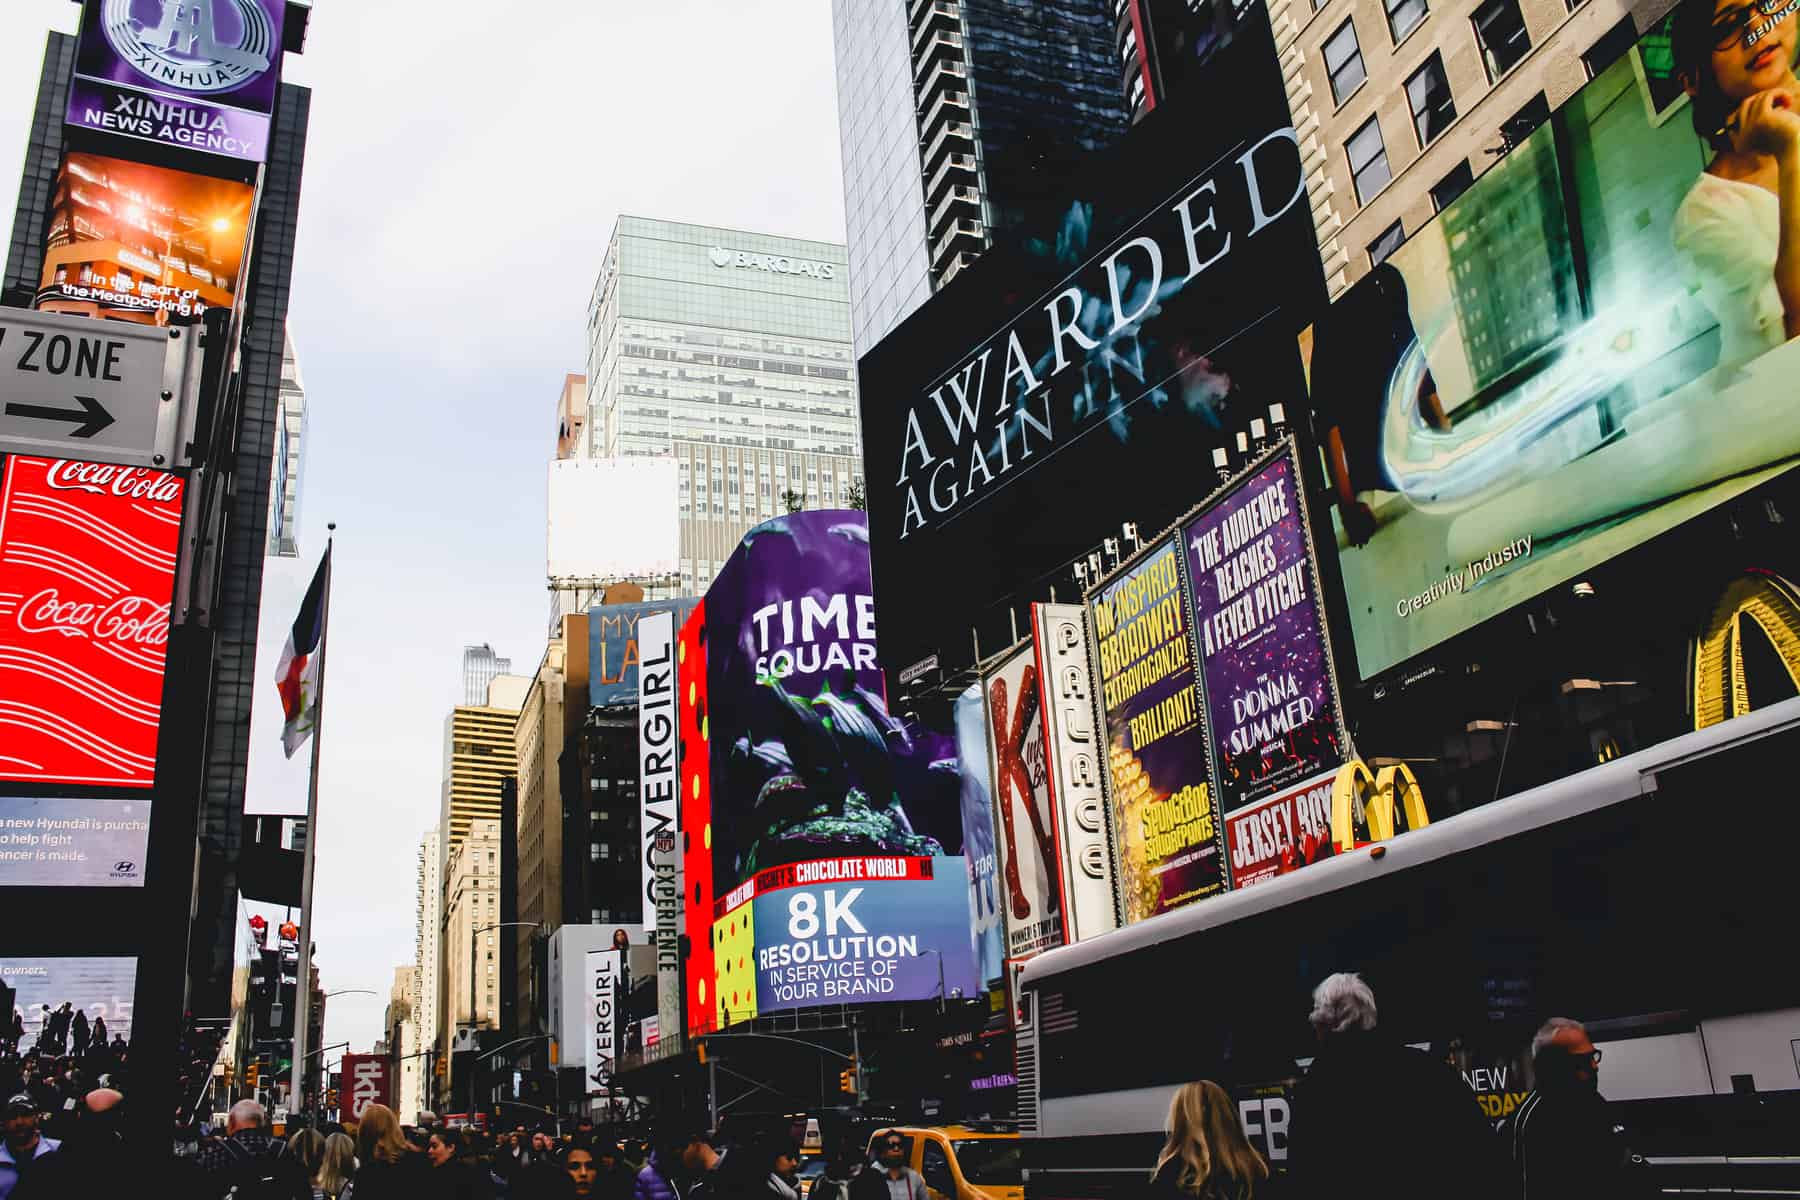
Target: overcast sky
463, 174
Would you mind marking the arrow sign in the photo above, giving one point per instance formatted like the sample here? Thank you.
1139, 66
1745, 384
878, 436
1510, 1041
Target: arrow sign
99, 391
91, 416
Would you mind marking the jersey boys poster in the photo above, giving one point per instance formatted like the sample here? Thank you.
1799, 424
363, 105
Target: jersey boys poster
1271, 703
1165, 814
87, 572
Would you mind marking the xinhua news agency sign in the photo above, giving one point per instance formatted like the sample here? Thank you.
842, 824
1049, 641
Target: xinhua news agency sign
367, 1080
195, 74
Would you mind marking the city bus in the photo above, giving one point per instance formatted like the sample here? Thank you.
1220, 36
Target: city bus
1653, 898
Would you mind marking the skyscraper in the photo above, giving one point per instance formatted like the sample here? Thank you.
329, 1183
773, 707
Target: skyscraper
428, 938
955, 118
729, 351
480, 666
478, 754
287, 455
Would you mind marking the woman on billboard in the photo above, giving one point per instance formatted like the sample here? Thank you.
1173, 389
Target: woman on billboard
1739, 227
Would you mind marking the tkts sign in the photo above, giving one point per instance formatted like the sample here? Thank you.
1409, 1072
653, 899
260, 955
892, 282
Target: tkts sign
87, 569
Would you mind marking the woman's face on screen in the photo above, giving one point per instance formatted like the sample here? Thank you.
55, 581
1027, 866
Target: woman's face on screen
1744, 70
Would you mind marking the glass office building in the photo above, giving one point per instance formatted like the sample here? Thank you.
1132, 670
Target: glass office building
730, 351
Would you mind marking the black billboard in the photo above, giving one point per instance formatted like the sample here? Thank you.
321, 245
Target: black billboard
1082, 377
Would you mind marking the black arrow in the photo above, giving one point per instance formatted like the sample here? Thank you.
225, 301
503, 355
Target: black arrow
90, 416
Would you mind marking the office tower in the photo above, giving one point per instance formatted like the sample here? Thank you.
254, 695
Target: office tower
730, 352
288, 463
404, 1045
1400, 106
480, 666
427, 942
471, 908
554, 707
956, 118
478, 754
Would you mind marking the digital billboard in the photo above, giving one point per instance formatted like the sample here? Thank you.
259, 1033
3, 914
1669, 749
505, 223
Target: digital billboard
807, 761
613, 646
1024, 811
1259, 623
1070, 382
75, 841
195, 74
1586, 349
87, 577
50, 991
979, 849
696, 820
1165, 810
131, 242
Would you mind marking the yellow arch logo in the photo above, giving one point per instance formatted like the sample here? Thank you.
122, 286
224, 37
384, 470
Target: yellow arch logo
1720, 689
1369, 806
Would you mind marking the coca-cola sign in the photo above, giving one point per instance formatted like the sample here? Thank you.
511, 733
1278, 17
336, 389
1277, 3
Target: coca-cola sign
87, 568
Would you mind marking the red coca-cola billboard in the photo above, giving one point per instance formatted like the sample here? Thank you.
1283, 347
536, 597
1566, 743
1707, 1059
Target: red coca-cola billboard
87, 573
366, 1079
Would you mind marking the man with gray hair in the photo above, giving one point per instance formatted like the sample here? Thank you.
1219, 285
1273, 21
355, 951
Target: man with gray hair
1379, 1118
247, 1162
1562, 1139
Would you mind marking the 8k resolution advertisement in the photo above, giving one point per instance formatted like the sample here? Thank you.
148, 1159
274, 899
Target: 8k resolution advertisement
1586, 349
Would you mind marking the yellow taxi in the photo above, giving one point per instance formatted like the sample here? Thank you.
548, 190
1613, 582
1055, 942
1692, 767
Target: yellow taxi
963, 1162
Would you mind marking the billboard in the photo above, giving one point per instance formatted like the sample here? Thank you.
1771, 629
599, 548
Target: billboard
195, 74
612, 519
49, 991
980, 850
613, 652
1078, 759
659, 801
807, 761
76, 841
1063, 385
1291, 829
696, 820
1024, 811
603, 1017
131, 242
87, 577
367, 1079
1265, 662
1165, 811
852, 931
1586, 349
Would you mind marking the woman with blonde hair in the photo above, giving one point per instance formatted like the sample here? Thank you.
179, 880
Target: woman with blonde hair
338, 1168
1207, 1155
385, 1165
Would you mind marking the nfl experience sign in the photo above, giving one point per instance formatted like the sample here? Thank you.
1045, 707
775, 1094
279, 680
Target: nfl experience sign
195, 74
659, 806
87, 573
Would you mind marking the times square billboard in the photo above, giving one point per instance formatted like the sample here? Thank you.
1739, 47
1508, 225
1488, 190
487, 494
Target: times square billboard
828, 865
1077, 378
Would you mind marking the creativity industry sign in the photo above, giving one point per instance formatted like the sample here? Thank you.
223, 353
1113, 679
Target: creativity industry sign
198, 74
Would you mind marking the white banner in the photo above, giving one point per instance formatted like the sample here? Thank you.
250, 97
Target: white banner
1077, 766
602, 1022
659, 792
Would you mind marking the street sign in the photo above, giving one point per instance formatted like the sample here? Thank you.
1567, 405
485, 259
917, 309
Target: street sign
99, 391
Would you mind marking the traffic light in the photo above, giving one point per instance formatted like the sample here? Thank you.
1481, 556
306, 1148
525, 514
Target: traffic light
847, 1079
252, 1072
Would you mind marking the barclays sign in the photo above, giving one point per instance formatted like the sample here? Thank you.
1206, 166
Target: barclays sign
779, 264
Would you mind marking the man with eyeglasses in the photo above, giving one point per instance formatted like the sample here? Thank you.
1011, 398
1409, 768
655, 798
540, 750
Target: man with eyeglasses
890, 1178
1562, 1138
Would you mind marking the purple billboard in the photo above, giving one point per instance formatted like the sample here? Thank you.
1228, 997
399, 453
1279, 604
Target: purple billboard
1165, 812
807, 762
1271, 698
194, 74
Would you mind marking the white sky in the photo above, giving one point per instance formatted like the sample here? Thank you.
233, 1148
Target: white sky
463, 174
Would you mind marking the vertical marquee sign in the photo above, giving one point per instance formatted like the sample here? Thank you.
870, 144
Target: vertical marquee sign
87, 575
659, 801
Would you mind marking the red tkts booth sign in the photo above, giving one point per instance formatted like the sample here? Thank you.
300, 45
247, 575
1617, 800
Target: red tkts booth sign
365, 1081
87, 572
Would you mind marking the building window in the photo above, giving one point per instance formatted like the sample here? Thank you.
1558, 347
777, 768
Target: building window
1404, 16
1452, 185
1500, 29
1611, 47
1428, 95
1368, 161
1386, 244
1523, 123
1343, 62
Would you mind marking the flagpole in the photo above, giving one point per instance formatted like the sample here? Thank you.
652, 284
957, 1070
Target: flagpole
303, 983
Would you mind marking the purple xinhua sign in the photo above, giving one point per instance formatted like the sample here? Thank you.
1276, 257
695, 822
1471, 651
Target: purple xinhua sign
195, 74
1270, 695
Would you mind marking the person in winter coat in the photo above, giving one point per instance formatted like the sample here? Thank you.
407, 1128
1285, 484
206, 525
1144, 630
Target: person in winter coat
1561, 1138
657, 1181
386, 1168
247, 1153
1449, 1145
890, 1178
1206, 1156
454, 1174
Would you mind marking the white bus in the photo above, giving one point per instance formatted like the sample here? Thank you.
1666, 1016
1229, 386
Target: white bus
1655, 898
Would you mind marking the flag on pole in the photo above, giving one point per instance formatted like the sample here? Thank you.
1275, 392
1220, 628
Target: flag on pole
297, 678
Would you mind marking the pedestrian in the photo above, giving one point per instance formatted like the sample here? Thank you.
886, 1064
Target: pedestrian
454, 1173
1449, 1147
79, 1029
582, 1170
890, 1178
1206, 1156
713, 1173
307, 1148
16, 1033
22, 1147
94, 1159
613, 1178
1561, 1138
338, 1168
780, 1158
657, 1179
249, 1164
840, 1170
97, 1034
385, 1168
